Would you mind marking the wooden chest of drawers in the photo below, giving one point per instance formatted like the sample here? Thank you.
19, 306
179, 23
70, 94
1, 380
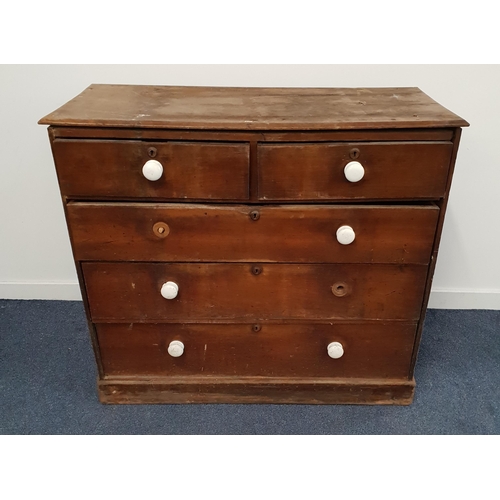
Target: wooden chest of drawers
254, 245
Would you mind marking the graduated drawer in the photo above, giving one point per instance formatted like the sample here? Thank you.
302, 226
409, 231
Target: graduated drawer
130, 232
392, 170
131, 292
372, 350
114, 169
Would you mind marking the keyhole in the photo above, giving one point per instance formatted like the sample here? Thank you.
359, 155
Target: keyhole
256, 328
354, 153
256, 270
152, 152
255, 215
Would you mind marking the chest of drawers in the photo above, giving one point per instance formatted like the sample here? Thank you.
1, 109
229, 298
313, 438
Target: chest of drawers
254, 245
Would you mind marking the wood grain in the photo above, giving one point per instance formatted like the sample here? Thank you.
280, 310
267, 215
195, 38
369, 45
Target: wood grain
316, 171
152, 134
130, 292
435, 247
286, 390
230, 108
113, 169
208, 233
259, 300
379, 350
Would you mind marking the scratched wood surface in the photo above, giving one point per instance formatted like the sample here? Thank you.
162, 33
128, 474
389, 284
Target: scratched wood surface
238, 389
230, 108
290, 233
207, 170
259, 300
315, 171
157, 134
377, 350
125, 291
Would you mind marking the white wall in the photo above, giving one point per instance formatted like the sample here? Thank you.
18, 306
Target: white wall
35, 255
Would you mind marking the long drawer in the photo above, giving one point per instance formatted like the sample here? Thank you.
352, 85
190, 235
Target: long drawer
190, 170
207, 233
399, 170
374, 350
132, 291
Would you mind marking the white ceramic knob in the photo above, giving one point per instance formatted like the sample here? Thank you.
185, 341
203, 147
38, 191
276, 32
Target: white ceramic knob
176, 348
345, 235
169, 290
335, 350
354, 171
152, 170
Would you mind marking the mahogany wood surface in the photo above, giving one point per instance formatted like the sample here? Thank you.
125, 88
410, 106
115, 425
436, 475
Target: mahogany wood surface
316, 171
380, 350
131, 291
435, 247
208, 233
190, 169
233, 108
153, 134
231, 389
244, 220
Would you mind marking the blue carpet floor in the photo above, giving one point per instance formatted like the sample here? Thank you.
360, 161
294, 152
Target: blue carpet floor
48, 385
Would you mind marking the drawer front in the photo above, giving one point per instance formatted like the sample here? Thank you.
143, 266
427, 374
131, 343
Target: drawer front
131, 232
316, 171
114, 169
372, 350
132, 291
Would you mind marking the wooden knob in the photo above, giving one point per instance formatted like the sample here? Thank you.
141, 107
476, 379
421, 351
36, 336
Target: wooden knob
152, 170
169, 290
335, 350
161, 229
345, 235
176, 348
354, 171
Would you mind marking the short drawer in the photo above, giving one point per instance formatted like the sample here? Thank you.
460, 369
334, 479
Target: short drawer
399, 170
190, 170
133, 291
371, 350
170, 232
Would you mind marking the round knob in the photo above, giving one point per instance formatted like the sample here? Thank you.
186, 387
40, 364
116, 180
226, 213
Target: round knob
354, 171
152, 170
169, 290
345, 235
335, 350
176, 348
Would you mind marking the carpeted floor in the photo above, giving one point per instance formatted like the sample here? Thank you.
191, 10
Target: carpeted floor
48, 385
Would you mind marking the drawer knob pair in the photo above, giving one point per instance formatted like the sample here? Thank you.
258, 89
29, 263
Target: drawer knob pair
152, 170
169, 290
354, 171
176, 349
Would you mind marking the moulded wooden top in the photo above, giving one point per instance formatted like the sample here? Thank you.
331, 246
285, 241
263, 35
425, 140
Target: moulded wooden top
238, 108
